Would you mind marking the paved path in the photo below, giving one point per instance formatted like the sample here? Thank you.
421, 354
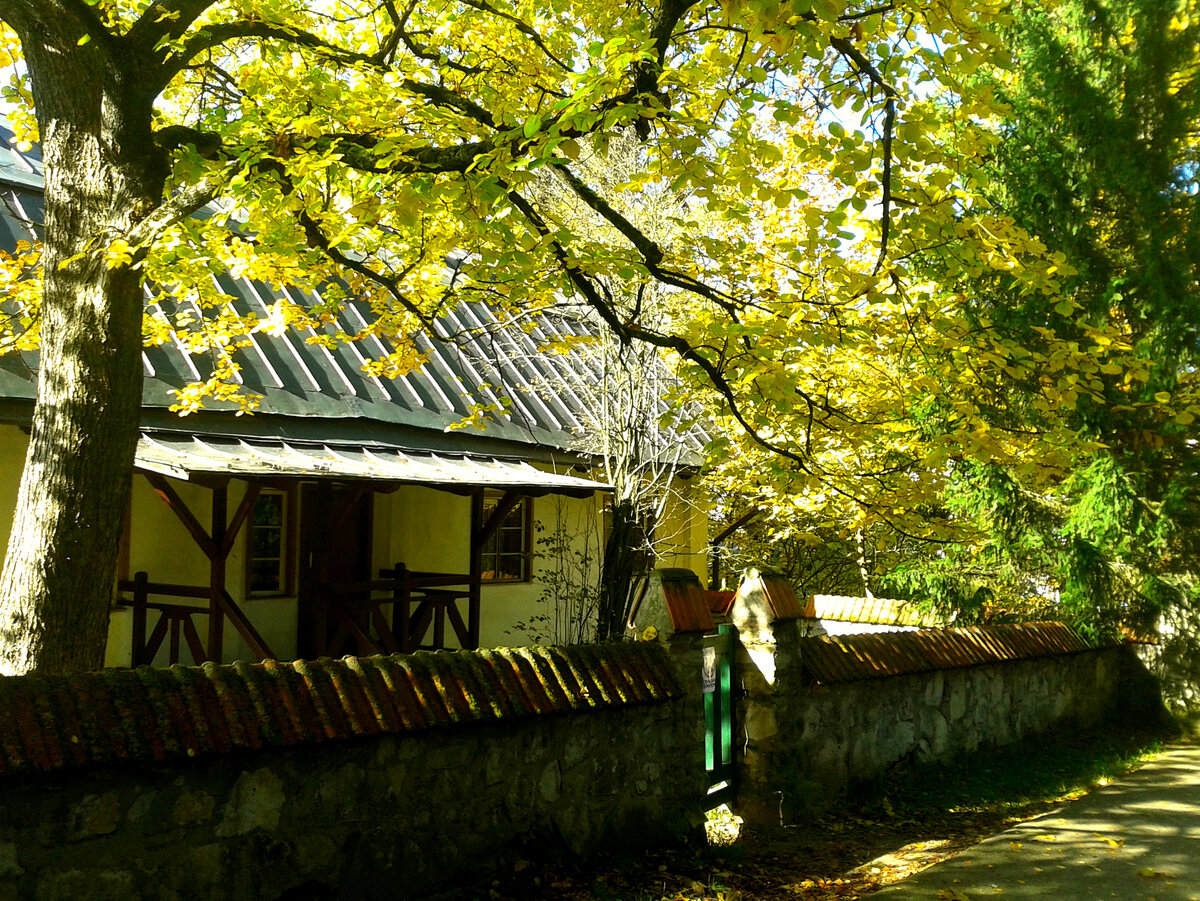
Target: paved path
1134, 840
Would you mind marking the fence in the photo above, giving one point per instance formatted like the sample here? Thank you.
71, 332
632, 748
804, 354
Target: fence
388, 777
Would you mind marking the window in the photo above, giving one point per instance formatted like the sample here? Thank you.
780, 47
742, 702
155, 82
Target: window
266, 556
507, 554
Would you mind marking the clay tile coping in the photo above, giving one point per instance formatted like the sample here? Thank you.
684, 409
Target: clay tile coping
144, 715
687, 601
854, 658
872, 611
719, 602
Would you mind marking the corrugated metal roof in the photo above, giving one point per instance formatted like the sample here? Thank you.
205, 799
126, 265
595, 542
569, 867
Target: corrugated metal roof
876, 611
183, 456
476, 360
851, 658
56, 722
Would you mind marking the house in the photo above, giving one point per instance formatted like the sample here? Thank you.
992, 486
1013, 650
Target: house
349, 514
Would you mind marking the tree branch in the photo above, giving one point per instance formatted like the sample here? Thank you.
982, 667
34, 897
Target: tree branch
520, 25
628, 331
165, 20
891, 94
651, 253
179, 206
212, 36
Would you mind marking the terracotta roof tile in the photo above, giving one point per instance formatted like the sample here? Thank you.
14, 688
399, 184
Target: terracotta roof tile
871, 611
719, 602
849, 658
52, 722
687, 601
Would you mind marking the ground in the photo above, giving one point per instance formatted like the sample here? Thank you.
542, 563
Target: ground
908, 825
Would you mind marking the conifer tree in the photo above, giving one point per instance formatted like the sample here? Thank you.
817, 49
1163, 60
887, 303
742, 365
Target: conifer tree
1098, 160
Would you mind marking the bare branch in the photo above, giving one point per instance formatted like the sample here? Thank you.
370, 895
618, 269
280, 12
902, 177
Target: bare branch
521, 26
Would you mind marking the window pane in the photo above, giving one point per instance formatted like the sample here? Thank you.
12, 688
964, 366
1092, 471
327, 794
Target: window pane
512, 541
264, 576
266, 542
268, 510
266, 545
506, 553
512, 567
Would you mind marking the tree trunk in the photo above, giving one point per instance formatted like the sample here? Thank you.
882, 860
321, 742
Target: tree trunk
622, 558
57, 581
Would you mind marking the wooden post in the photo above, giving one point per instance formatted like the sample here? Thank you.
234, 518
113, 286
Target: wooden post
216, 580
476, 577
401, 606
140, 596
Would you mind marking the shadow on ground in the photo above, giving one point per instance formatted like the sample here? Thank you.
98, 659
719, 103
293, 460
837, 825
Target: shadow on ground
1135, 839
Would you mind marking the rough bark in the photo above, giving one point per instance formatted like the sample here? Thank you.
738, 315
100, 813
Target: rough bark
623, 558
101, 177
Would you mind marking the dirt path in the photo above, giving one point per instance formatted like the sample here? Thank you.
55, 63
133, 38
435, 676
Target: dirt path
834, 858
1132, 840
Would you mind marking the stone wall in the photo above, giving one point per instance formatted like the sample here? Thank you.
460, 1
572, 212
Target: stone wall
821, 716
393, 777
607, 752
1174, 659
836, 738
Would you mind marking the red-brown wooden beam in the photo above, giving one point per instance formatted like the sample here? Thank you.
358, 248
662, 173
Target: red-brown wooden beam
216, 573
475, 582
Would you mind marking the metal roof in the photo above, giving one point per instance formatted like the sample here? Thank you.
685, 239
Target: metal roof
185, 456
475, 360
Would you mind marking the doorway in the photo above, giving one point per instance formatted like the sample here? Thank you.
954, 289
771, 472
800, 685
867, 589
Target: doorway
335, 549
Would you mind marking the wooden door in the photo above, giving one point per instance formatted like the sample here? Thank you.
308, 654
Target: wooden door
335, 548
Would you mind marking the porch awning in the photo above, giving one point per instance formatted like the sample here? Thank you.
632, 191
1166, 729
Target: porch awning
188, 456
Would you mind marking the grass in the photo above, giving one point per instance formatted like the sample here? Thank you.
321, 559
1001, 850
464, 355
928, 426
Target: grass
1016, 776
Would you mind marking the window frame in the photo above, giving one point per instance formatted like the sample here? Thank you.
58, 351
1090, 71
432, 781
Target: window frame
287, 546
524, 507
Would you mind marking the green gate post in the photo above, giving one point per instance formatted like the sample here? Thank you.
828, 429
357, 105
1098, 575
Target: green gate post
673, 607
718, 681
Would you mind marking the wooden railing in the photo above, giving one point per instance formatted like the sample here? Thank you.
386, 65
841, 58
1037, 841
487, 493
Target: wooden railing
358, 609
176, 622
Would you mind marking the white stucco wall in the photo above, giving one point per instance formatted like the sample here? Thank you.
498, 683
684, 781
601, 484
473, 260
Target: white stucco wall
13, 444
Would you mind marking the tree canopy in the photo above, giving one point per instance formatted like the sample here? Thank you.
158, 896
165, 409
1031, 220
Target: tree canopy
832, 234
1099, 162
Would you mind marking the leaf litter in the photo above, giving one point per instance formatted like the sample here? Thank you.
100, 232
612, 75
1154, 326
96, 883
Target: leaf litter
837, 858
